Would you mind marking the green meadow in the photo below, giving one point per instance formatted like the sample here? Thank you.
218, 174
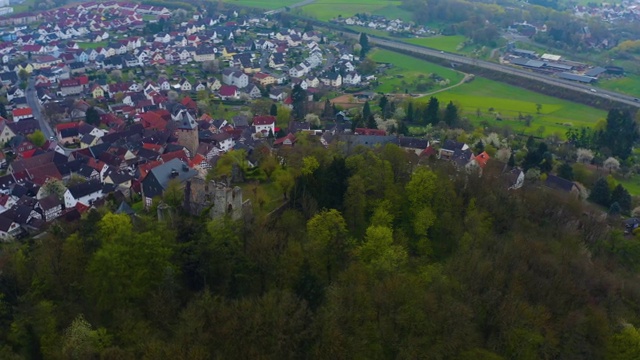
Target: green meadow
444, 43
92, 45
556, 116
630, 84
263, 4
407, 70
328, 9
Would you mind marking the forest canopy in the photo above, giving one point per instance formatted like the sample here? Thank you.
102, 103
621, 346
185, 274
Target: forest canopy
377, 253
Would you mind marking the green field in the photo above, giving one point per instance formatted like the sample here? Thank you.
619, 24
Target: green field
445, 43
92, 45
407, 69
24, 7
630, 84
556, 115
329, 9
263, 4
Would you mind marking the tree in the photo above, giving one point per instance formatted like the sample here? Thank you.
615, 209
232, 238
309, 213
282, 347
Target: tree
565, 171
54, 187
364, 43
538, 108
600, 193
584, 155
37, 138
284, 181
328, 246
451, 114
431, 113
327, 113
366, 110
92, 116
3, 110
378, 251
274, 110
410, 113
23, 75
371, 122
299, 102
284, 115
621, 196
174, 194
619, 134
625, 345
611, 164
313, 120
81, 341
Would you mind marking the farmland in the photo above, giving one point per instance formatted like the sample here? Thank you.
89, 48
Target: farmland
630, 84
263, 4
493, 100
445, 43
407, 70
328, 9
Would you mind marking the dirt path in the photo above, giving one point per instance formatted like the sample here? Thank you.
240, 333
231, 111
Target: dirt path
466, 78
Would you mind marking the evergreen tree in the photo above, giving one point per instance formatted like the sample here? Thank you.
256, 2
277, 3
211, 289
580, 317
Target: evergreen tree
371, 122
409, 117
565, 171
512, 160
383, 103
621, 196
451, 114
366, 110
364, 43
479, 147
274, 110
327, 113
431, 113
3, 110
600, 193
92, 116
620, 133
299, 100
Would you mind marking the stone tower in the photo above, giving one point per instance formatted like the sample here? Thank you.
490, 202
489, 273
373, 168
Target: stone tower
187, 131
217, 199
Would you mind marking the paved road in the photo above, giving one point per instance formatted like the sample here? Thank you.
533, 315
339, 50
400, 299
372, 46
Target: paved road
454, 58
36, 107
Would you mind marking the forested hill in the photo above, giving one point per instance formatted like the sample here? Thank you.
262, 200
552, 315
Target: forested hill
376, 256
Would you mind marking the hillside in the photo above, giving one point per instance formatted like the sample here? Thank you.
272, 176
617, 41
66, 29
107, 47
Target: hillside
373, 255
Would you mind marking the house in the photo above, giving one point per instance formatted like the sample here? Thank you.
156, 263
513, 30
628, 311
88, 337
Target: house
22, 113
85, 193
264, 125
457, 152
70, 87
97, 91
564, 185
204, 54
228, 92
51, 207
264, 79
285, 141
9, 229
235, 77
159, 178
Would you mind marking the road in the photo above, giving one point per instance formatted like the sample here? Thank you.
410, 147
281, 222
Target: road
36, 107
460, 59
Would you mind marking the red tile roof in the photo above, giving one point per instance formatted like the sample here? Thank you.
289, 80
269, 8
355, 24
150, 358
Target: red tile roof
264, 120
26, 111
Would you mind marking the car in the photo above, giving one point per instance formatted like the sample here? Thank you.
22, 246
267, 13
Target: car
593, 90
441, 52
636, 100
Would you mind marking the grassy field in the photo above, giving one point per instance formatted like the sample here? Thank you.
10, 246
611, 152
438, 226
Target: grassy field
24, 7
630, 84
328, 9
263, 4
556, 116
445, 43
92, 45
407, 69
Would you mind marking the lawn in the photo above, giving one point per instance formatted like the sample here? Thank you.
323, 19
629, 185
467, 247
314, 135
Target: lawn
329, 9
92, 45
263, 4
632, 184
24, 7
444, 43
408, 69
630, 84
555, 117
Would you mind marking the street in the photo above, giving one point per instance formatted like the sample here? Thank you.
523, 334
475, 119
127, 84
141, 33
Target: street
36, 107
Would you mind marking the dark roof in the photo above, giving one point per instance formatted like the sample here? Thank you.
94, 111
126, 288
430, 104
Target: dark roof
50, 202
558, 183
575, 77
595, 71
85, 188
159, 177
124, 208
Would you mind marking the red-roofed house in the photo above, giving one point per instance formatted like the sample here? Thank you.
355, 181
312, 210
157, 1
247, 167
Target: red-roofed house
264, 124
22, 113
151, 120
70, 87
189, 103
288, 140
228, 92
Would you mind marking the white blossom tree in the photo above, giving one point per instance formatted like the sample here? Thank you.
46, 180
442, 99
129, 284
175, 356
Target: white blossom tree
584, 155
611, 164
